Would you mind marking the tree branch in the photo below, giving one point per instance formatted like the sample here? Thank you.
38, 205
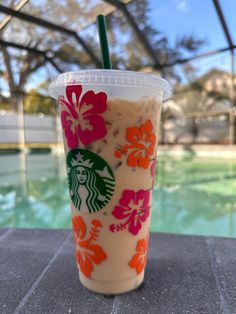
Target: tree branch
9, 74
28, 66
29, 70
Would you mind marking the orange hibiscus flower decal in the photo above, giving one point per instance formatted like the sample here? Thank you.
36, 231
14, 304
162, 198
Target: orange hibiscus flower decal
87, 253
142, 143
139, 260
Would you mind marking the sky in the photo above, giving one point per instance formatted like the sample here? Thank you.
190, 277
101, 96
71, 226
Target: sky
175, 18
198, 17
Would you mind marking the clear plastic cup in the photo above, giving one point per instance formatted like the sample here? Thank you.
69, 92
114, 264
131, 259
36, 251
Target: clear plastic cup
110, 121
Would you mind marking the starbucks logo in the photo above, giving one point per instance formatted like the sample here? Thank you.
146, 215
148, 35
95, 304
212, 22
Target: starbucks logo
91, 180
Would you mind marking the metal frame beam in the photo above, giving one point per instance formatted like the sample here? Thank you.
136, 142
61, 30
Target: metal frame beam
31, 50
43, 23
223, 22
50, 60
232, 135
8, 18
122, 7
200, 56
166, 65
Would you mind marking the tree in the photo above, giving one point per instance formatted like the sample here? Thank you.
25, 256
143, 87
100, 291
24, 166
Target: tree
126, 51
37, 101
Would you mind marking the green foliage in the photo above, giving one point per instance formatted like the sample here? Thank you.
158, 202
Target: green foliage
190, 43
5, 105
36, 103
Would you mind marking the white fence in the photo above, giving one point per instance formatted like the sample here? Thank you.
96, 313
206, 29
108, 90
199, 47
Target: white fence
212, 127
36, 128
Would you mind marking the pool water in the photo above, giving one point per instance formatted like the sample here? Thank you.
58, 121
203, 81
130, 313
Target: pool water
191, 196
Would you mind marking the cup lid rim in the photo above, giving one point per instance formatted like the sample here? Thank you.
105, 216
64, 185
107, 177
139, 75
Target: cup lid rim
111, 77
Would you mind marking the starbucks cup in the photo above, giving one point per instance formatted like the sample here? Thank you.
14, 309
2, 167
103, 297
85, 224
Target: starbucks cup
110, 121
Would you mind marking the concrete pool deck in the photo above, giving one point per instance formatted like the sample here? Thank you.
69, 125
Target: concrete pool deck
185, 274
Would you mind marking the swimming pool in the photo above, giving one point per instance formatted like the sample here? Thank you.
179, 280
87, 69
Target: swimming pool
191, 195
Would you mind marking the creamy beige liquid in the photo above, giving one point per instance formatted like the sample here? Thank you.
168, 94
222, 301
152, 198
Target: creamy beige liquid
113, 275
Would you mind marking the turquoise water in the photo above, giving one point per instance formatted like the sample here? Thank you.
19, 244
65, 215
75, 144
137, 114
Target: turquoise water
191, 196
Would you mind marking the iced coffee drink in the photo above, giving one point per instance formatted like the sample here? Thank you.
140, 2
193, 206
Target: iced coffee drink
110, 122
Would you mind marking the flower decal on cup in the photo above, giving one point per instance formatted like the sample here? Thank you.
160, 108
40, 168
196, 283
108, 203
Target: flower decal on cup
142, 144
81, 115
87, 253
139, 260
133, 210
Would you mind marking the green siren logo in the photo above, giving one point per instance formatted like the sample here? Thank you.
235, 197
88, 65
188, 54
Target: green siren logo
91, 180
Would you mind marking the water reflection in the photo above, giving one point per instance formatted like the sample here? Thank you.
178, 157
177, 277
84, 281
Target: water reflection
191, 196
195, 197
35, 194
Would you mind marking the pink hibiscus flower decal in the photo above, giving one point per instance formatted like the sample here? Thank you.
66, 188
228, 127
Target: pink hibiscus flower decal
133, 209
153, 171
80, 115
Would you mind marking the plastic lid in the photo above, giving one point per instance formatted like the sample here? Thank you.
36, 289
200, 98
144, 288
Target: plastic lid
111, 77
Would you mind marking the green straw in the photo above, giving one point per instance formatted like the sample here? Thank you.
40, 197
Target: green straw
102, 32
